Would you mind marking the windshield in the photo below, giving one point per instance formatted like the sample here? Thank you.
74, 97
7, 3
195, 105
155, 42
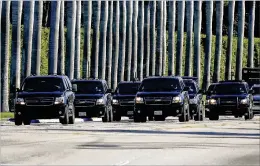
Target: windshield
192, 86
230, 89
43, 85
127, 88
151, 85
89, 87
256, 90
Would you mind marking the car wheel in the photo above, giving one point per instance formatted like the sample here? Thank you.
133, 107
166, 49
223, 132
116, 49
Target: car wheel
26, 121
72, 117
143, 118
136, 118
18, 120
117, 118
213, 115
159, 118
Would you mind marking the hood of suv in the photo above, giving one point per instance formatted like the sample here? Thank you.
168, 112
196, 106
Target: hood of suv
158, 94
256, 97
88, 96
39, 94
120, 96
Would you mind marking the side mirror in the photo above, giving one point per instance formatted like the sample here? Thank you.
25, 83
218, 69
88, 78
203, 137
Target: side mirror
74, 88
186, 88
109, 91
251, 91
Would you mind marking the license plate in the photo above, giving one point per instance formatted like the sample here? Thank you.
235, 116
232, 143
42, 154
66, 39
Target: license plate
82, 114
157, 112
130, 112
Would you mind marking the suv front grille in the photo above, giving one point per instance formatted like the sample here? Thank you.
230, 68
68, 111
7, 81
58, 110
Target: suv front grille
228, 101
85, 102
158, 100
127, 102
39, 101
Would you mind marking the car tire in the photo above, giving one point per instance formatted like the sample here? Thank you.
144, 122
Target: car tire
117, 118
213, 115
18, 120
72, 117
143, 119
136, 118
65, 120
26, 121
159, 118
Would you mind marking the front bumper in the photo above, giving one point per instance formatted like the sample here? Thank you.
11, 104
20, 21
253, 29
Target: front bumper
228, 110
123, 110
40, 112
161, 110
88, 112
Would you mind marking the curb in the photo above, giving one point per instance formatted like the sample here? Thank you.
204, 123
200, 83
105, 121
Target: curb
39, 121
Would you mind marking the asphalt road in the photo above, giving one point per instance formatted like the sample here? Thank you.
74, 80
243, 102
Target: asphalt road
228, 141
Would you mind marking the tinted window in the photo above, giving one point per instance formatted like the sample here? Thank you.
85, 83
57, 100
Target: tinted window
89, 87
151, 85
192, 86
127, 88
43, 85
257, 90
230, 89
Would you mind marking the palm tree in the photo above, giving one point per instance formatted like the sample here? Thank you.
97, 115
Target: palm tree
6, 36
87, 38
218, 47
231, 12
36, 47
153, 36
61, 52
250, 60
70, 42
116, 50
129, 37
164, 37
110, 45
95, 41
240, 32
77, 46
103, 40
135, 38
171, 41
159, 39
147, 38
28, 35
141, 39
54, 37
123, 42
197, 30
207, 60
189, 25
17, 7
181, 13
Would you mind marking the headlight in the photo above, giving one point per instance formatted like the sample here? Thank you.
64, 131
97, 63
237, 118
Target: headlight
115, 101
59, 100
176, 99
212, 102
193, 101
139, 100
20, 101
244, 101
100, 101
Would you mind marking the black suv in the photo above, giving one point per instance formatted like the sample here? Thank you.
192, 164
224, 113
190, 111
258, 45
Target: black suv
93, 99
230, 98
162, 97
45, 97
123, 99
196, 100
